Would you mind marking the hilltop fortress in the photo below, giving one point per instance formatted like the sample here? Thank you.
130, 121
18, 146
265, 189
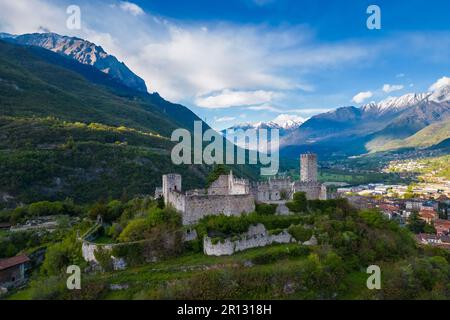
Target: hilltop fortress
232, 196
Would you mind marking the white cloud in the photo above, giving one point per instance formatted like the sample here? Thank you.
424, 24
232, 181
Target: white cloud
266, 107
185, 60
224, 119
229, 98
309, 110
288, 119
19, 17
362, 96
388, 88
442, 82
400, 75
132, 8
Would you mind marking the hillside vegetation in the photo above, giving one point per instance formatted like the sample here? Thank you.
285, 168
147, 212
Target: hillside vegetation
68, 130
427, 137
348, 242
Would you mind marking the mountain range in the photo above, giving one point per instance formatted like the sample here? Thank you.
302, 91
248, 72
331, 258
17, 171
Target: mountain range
82, 51
387, 125
71, 130
75, 122
285, 124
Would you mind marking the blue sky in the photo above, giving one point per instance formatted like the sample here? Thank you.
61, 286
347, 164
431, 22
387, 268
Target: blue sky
254, 60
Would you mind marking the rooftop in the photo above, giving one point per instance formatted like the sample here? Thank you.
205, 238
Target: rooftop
12, 262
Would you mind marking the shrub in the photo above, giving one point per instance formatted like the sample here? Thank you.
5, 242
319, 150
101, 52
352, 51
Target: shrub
132, 253
275, 231
299, 203
103, 257
266, 209
300, 233
45, 208
195, 246
62, 254
141, 228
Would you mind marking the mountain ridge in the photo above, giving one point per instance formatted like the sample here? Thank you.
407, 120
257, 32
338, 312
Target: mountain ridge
367, 128
84, 52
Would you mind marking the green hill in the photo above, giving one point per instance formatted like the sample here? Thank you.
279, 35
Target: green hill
427, 137
69, 131
38, 82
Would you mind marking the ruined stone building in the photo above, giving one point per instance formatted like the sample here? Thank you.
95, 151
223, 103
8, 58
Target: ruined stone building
227, 195
279, 189
308, 167
232, 196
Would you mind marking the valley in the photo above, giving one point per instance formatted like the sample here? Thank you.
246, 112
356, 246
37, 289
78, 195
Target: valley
83, 147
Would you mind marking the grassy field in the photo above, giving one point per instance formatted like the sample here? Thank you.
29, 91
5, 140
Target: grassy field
145, 282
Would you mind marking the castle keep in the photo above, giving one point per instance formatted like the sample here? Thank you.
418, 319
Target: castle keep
279, 189
232, 196
227, 195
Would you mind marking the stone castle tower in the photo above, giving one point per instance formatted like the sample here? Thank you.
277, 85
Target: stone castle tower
308, 167
171, 182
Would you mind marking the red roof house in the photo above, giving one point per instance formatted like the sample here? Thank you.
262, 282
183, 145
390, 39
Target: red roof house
12, 271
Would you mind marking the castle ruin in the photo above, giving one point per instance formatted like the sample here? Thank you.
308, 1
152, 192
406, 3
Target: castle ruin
227, 195
280, 189
232, 196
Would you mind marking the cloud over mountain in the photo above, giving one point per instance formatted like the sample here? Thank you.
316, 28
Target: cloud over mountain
362, 96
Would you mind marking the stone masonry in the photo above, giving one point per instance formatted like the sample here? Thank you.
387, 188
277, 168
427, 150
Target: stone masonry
227, 195
232, 196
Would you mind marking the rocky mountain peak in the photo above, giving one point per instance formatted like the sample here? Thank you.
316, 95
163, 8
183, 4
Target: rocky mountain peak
84, 52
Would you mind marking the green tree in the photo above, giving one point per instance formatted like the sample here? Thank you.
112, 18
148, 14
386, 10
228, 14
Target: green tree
99, 209
416, 224
218, 171
300, 233
61, 255
299, 203
103, 256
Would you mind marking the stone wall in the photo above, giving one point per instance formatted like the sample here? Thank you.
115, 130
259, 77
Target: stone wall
176, 200
282, 209
229, 185
88, 251
220, 186
197, 207
257, 236
272, 189
190, 235
313, 190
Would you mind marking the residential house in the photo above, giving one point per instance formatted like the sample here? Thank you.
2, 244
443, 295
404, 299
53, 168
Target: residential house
442, 227
428, 215
12, 271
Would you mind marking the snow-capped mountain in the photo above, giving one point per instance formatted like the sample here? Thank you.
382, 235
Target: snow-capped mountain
284, 122
441, 94
83, 51
288, 122
373, 125
395, 104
